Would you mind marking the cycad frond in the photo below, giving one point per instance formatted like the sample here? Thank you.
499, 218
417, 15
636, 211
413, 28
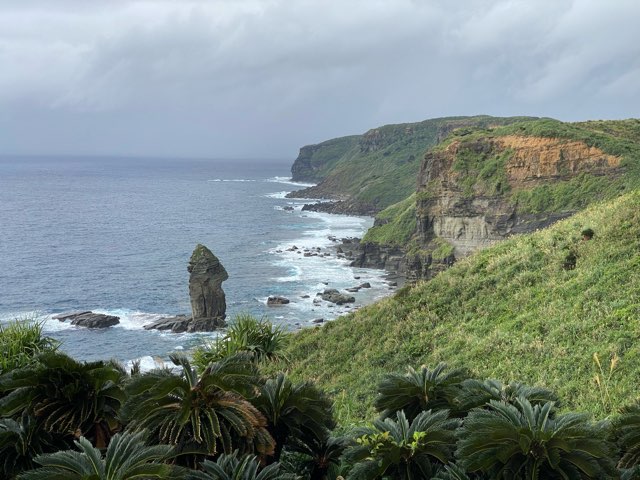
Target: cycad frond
525, 441
418, 391
291, 409
478, 393
203, 413
401, 449
235, 467
68, 397
127, 457
627, 432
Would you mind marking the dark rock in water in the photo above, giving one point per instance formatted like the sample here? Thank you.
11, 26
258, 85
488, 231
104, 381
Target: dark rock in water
393, 284
288, 208
89, 319
205, 285
365, 285
274, 301
357, 278
304, 296
318, 320
334, 296
307, 254
66, 316
353, 289
183, 323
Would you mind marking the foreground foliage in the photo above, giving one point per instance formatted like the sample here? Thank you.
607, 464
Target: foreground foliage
200, 414
127, 457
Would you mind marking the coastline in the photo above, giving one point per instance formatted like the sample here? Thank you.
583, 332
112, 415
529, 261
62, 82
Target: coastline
303, 279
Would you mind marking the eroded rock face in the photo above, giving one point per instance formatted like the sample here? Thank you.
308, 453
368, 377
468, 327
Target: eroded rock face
469, 218
205, 285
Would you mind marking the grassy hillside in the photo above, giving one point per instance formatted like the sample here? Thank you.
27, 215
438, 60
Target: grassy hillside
395, 225
513, 311
380, 167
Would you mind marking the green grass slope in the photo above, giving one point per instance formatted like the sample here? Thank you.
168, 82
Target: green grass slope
395, 225
512, 312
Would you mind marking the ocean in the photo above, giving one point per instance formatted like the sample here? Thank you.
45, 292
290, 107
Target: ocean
114, 235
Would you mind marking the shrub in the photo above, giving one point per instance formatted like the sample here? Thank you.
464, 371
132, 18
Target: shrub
20, 342
260, 339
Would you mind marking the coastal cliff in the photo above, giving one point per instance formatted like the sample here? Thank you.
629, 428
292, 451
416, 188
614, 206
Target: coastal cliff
363, 174
481, 185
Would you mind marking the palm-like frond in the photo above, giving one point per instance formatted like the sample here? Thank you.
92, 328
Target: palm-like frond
198, 414
478, 393
292, 408
418, 391
627, 432
452, 472
527, 442
319, 452
68, 397
20, 442
402, 450
128, 457
234, 467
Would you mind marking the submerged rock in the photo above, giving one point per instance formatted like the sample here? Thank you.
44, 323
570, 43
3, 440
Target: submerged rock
334, 296
205, 286
274, 301
184, 323
89, 319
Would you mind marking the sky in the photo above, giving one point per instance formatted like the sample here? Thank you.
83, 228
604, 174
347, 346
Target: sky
261, 78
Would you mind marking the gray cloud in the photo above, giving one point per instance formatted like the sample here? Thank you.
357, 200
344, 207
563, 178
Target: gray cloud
262, 77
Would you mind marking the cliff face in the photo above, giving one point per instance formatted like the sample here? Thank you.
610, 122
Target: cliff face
466, 191
372, 171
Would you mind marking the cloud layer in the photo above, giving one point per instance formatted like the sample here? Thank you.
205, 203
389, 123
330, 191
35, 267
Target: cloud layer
259, 78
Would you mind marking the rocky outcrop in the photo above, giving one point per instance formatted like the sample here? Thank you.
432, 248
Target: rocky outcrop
184, 323
372, 255
470, 216
89, 319
343, 207
276, 301
332, 295
206, 275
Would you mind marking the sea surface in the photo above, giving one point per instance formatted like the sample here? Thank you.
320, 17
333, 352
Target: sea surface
114, 235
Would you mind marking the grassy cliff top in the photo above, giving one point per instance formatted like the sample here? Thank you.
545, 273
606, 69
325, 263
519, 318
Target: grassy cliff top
380, 166
515, 311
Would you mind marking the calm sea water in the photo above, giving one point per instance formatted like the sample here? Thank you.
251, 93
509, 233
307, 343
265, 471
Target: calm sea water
114, 235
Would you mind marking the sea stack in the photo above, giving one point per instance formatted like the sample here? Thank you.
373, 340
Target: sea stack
208, 303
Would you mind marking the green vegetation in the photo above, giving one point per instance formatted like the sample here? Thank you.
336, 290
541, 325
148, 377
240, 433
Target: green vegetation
483, 170
483, 173
510, 312
232, 422
20, 342
126, 458
380, 169
259, 339
395, 224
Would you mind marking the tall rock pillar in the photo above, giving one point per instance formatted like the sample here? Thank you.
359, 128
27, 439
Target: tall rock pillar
208, 303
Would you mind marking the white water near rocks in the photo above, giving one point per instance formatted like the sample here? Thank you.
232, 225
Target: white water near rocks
114, 236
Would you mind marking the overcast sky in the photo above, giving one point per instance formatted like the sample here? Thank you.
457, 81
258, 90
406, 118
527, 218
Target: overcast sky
260, 78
